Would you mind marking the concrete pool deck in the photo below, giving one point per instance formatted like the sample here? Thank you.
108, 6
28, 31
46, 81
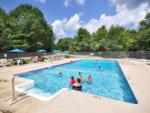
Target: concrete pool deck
135, 71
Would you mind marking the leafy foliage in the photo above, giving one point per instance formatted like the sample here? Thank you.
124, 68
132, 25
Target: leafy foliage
64, 44
117, 38
4, 31
26, 29
144, 34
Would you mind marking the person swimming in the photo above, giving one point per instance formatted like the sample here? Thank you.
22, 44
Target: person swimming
99, 68
71, 61
77, 85
89, 79
80, 77
60, 74
72, 81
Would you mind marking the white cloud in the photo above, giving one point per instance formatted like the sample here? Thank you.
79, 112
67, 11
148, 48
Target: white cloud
80, 2
93, 25
42, 1
70, 25
73, 23
67, 3
123, 16
130, 3
58, 28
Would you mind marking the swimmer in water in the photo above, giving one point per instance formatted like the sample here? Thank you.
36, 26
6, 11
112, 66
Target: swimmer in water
99, 67
80, 77
89, 79
60, 74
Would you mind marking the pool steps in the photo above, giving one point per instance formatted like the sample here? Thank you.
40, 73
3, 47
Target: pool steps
29, 89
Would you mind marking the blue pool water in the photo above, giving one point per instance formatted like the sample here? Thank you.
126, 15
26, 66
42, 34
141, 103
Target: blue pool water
108, 82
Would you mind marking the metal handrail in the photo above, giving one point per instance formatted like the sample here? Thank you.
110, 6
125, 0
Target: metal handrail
13, 88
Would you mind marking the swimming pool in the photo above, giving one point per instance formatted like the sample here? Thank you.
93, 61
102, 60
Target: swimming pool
108, 81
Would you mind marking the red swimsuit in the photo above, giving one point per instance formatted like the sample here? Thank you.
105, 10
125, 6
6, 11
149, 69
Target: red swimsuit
72, 82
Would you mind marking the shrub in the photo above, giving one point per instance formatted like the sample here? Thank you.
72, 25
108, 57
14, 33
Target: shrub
14, 62
27, 61
67, 56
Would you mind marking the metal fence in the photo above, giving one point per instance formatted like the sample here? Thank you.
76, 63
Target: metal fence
119, 54
106, 54
22, 54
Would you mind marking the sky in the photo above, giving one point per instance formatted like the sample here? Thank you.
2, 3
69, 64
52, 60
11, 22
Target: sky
67, 16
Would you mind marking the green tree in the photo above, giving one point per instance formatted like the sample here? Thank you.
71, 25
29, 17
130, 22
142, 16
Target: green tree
116, 38
129, 40
5, 31
26, 28
31, 30
74, 46
101, 38
82, 39
143, 40
82, 34
145, 24
64, 44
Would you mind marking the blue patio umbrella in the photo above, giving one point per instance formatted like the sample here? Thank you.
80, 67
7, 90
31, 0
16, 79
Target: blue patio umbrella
16, 50
41, 50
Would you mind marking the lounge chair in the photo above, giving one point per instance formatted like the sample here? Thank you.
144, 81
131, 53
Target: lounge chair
4, 62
